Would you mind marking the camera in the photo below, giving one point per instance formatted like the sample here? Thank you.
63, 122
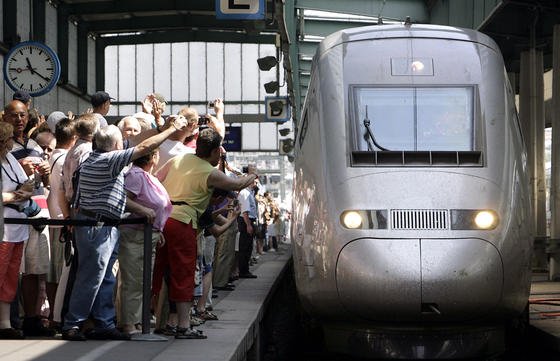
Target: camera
210, 104
245, 169
202, 121
235, 202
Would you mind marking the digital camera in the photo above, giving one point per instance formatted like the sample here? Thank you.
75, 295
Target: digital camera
202, 121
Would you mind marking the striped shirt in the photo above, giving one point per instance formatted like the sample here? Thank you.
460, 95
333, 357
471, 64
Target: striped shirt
101, 184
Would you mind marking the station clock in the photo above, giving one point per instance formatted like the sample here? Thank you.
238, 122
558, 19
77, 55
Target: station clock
32, 67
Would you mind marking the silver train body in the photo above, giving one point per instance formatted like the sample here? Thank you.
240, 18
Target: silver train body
414, 130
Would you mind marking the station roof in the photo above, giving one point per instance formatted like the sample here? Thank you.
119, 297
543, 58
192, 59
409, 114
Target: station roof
514, 25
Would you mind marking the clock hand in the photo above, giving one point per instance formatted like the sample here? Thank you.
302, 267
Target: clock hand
42, 76
29, 66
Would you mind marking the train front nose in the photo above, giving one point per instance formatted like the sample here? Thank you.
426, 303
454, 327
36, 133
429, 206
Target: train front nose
419, 279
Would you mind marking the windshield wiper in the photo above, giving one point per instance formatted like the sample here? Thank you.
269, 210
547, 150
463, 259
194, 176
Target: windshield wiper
368, 135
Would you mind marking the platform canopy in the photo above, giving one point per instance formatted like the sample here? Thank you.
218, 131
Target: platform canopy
297, 26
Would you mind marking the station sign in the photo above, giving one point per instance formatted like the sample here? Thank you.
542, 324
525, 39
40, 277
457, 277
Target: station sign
240, 9
277, 109
232, 139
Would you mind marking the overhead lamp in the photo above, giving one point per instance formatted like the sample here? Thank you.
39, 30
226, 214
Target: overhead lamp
284, 132
286, 146
271, 87
267, 63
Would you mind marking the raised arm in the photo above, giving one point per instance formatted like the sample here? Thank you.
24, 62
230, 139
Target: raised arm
218, 179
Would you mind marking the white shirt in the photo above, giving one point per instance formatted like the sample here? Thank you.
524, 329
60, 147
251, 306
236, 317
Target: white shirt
12, 173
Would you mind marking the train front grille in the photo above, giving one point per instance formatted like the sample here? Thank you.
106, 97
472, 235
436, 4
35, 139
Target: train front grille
419, 219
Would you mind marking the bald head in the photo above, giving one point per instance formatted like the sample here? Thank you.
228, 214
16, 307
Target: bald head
17, 115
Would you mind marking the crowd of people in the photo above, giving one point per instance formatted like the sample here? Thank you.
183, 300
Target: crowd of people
171, 172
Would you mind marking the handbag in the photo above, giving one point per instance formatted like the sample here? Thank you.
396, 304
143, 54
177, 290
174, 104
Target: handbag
30, 208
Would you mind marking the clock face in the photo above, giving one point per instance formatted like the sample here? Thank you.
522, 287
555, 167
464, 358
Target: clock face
32, 67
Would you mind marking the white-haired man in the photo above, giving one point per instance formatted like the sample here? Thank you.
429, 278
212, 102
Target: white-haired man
101, 196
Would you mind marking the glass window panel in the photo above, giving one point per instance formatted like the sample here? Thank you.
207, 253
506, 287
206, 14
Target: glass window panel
72, 54
250, 109
269, 136
250, 72
91, 66
233, 75
250, 136
127, 74
197, 72
435, 119
180, 72
215, 70
162, 70
391, 115
125, 110
144, 70
445, 119
111, 70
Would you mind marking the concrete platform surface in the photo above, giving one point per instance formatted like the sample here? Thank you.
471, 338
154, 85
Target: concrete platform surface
229, 338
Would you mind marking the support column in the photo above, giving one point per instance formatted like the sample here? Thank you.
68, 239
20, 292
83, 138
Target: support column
531, 113
554, 243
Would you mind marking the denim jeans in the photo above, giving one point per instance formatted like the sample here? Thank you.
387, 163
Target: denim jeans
95, 282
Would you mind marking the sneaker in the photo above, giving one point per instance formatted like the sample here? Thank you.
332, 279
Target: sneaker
189, 333
11, 334
73, 334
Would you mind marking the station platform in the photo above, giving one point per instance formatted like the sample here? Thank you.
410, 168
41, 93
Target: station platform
232, 337
544, 312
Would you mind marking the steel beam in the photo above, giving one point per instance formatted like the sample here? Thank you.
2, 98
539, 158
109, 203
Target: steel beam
394, 9
187, 36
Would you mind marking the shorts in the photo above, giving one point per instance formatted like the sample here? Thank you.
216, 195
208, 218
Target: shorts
10, 259
36, 253
57, 255
181, 256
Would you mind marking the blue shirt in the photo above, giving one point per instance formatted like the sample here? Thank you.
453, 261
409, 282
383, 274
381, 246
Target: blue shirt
248, 202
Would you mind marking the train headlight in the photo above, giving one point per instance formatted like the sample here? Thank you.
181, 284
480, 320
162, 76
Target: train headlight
352, 219
484, 220
472, 219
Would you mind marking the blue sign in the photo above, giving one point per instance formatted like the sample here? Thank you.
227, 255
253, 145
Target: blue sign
277, 109
232, 140
240, 9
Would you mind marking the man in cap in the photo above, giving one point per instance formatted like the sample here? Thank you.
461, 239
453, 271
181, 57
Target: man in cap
23, 97
101, 102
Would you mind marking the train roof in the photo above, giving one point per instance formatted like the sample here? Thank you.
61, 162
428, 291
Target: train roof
405, 31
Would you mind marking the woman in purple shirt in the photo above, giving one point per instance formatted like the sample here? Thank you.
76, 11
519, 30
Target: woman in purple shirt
146, 197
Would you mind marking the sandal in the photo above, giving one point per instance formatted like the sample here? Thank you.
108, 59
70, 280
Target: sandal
168, 330
196, 321
189, 333
207, 316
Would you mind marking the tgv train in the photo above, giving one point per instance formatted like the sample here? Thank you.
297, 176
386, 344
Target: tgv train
411, 225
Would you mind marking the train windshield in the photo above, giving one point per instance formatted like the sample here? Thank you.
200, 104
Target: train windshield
414, 119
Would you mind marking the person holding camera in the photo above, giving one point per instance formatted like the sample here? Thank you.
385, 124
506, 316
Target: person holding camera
15, 191
190, 180
36, 261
